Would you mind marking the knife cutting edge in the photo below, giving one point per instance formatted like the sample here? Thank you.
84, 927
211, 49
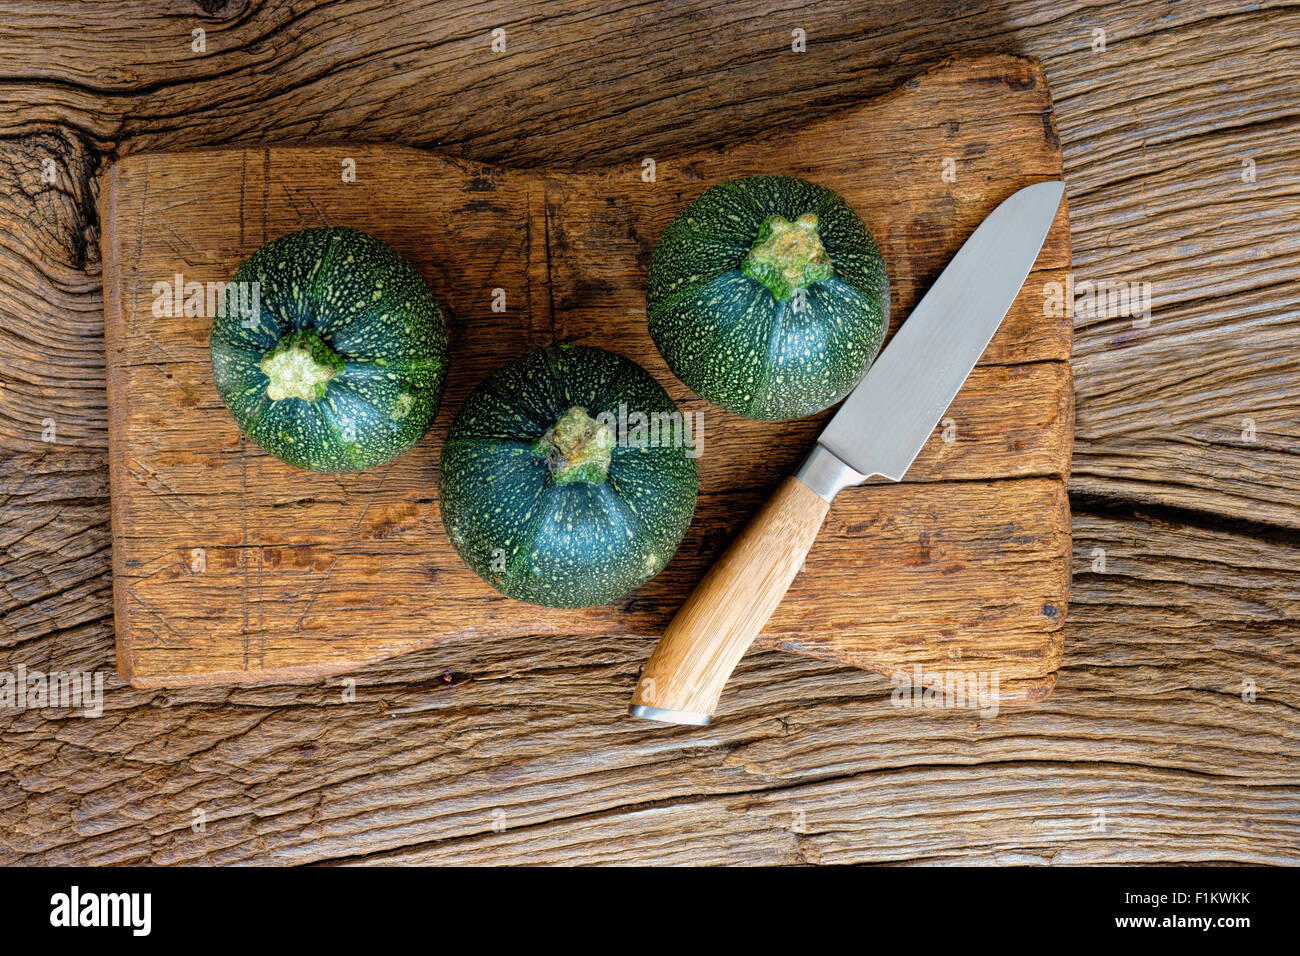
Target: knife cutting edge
879, 430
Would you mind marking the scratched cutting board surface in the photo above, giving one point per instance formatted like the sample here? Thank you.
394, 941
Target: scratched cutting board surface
230, 566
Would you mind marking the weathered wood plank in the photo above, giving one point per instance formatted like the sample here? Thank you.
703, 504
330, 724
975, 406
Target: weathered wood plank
230, 566
1215, 86
1145, 724
1190, 187
1148, 723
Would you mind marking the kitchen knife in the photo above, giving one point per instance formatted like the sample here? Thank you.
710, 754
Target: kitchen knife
879, 430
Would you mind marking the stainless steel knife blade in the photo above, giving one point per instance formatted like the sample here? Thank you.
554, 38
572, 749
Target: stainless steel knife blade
888, 417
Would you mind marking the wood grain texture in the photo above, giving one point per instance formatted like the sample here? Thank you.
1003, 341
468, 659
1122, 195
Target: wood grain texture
230, 566
1146, 741
1185, 553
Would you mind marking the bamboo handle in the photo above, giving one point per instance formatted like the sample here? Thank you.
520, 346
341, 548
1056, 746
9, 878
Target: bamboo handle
683, 679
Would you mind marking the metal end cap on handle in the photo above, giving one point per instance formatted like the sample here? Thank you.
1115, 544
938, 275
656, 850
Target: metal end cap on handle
668, 716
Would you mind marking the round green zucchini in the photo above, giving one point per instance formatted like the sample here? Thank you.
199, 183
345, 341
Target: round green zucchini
342, 365
550, 488
768, 296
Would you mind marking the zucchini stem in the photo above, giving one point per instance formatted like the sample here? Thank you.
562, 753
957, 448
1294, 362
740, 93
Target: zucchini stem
576, 448
788, 256
300, 366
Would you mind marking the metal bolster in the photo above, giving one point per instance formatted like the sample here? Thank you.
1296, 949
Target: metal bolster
825, 474
668, 716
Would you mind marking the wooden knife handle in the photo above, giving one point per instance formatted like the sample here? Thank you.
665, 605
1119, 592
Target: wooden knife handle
683, 679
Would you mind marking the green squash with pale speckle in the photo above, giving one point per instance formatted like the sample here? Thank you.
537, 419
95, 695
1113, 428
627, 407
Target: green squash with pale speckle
551, 490
341, 365
768, 296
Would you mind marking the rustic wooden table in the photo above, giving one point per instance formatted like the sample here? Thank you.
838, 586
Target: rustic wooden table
1172, 734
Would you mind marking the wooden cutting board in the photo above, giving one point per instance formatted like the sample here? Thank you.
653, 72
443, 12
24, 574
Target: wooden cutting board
230, 566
